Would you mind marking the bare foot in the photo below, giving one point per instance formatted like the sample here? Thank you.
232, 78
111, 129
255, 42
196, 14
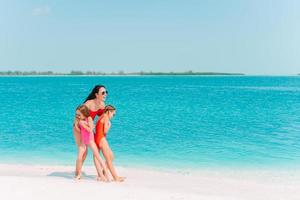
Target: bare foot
120, 179
77, 178
103, 179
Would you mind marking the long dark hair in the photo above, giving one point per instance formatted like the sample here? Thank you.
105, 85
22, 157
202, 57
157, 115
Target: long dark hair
95, 90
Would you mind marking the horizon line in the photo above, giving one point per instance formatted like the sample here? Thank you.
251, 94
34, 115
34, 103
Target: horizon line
121, 72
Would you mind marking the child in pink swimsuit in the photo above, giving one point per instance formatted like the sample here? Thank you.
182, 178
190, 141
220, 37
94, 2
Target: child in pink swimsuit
86, 125
86, 136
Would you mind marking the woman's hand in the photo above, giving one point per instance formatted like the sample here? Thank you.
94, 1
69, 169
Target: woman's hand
87, 126
82, 122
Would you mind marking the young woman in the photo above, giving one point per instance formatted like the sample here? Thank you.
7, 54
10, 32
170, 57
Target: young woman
96, 104
102, 127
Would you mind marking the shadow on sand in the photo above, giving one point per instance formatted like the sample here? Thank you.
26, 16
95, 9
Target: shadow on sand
70, 175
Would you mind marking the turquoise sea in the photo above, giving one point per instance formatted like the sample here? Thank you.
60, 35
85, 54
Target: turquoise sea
161, 121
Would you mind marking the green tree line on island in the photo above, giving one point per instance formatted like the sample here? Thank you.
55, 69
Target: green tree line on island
95, 73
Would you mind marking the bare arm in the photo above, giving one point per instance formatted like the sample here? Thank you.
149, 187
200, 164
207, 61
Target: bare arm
88, 126
91, 123
106, 125
76, 124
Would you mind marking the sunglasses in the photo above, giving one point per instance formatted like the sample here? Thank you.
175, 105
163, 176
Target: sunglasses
104, 92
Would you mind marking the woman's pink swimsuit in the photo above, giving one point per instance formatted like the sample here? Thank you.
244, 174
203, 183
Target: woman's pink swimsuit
86, 136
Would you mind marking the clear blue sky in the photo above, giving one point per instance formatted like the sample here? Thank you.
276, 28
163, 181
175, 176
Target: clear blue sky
249, 36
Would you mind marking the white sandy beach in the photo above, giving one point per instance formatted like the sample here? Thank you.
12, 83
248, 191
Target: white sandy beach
56, 182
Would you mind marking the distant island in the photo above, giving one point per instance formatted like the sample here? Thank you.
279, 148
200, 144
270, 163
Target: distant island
94, 73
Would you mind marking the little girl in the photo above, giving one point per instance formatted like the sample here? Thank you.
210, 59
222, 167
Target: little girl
102, 127
86, 126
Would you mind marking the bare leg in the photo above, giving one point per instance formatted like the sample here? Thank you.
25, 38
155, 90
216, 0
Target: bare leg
76, 133
97, 164
81, 151
84, 154
77, 139
108, 155
94, 148
111, 155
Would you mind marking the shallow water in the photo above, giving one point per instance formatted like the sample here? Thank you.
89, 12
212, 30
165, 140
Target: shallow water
161, 121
